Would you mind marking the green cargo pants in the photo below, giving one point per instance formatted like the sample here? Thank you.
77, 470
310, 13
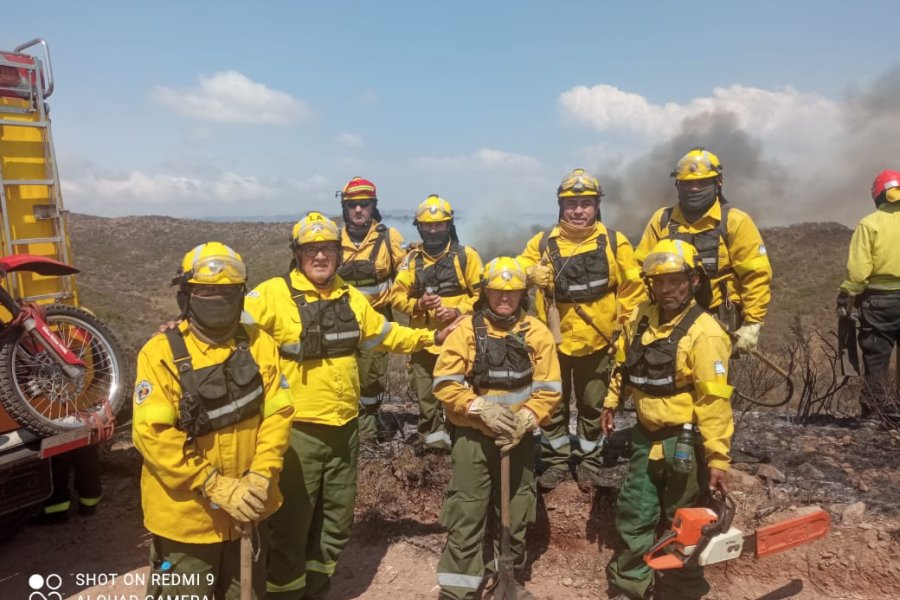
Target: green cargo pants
650, 494
588, 377
372, 370
178, 569
474, 491
431, 415
311, 528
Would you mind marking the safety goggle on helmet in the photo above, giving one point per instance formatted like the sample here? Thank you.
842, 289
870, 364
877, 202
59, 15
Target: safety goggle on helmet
504, 274
670, 256
212, 263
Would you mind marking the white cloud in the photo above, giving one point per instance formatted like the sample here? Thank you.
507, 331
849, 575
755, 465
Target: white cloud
764, 112
351, 140
482, 159
231, 97
203, 192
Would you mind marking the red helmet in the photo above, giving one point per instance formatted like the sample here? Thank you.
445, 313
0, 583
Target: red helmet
358, 189
885, 181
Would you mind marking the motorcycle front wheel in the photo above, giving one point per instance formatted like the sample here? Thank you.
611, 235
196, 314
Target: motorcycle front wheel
36, 392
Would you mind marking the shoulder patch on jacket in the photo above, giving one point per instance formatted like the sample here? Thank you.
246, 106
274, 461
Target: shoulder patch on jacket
142, 390
719, 367
284, 383
252, 294
762, 249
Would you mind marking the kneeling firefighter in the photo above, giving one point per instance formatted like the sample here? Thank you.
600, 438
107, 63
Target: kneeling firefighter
319, 323
212, 417
498, 378
673, 363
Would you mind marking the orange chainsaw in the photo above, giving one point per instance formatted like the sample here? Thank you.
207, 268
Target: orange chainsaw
704, 536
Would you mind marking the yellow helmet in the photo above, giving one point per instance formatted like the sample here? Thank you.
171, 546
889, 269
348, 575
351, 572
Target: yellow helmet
697, 164
579, 182
212, 263
504, 273
314, 227
671, 256
434, 209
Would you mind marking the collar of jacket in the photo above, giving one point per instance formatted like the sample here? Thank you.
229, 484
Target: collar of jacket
202, 345
664, 330
301, 283
348, 244
521, 326
584, 234
709, 220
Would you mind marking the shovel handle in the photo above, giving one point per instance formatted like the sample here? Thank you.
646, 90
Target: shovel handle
246, 561
769, 363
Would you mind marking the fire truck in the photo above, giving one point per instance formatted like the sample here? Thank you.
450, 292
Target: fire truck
60, 367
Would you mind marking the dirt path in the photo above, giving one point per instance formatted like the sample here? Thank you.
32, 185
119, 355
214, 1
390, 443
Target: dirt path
397, 541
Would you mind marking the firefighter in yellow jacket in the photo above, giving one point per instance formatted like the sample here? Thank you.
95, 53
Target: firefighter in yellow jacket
371, 253
587, 272
438, 281
873, 284
673, 363
498, 377
730, 246
319, 322
212, 417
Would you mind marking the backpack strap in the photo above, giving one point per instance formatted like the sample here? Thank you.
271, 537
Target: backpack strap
461, 256
180, 354
665, 217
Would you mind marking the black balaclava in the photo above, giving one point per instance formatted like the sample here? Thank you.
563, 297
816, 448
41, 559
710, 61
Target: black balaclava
695, 204
214, 319
435, 243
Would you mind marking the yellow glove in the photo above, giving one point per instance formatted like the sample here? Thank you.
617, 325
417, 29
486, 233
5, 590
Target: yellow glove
539, 275
525, 424
746, 337
250, 495
226, 493
497, 417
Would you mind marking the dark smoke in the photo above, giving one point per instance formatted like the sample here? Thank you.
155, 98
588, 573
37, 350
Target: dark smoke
832, 184
752, 182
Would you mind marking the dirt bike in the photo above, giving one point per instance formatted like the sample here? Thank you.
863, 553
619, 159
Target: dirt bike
60, 367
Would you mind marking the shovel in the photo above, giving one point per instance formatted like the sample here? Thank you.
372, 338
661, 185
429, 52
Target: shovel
506, 588
246, 561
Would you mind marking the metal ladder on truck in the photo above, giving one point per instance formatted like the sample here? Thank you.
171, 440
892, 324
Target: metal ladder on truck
31, 207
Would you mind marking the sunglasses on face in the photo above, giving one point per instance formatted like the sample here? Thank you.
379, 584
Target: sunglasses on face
351, 204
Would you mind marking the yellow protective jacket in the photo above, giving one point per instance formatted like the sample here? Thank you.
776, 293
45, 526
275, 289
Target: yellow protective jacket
701, 361
390, 255
743, 262
607, 312
326, 391
172, 479
874, 260
456, 361
470, 281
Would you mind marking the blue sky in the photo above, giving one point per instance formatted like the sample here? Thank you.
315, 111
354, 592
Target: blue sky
236, 108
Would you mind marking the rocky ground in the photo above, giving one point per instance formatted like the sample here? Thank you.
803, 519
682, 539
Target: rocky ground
781, 468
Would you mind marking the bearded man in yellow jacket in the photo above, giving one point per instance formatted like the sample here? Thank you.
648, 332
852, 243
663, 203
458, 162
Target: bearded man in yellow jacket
498, 377
319, 322
437, 283
672, 362
212, 417
587, 272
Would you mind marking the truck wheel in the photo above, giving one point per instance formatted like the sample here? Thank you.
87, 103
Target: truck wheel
35, 391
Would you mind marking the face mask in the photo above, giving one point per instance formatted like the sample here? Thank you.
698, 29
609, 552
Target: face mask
216, 318
694, 204
434, 243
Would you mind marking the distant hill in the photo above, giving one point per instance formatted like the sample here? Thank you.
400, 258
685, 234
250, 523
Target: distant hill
128, 262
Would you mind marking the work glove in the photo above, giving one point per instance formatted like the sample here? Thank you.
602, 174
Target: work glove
498, 418
539, 275
257, 485
525, 424
845, 303
746, 337
223, 493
